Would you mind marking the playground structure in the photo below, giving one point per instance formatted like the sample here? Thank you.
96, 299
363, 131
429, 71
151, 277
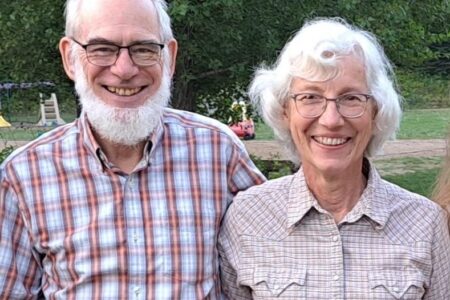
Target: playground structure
49, 110
3, 122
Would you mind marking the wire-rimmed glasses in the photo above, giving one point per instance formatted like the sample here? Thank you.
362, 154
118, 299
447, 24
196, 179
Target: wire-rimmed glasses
310, 105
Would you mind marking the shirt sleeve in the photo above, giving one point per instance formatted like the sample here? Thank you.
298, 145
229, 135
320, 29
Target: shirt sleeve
440, 277
242, 171
228, 246
20, 272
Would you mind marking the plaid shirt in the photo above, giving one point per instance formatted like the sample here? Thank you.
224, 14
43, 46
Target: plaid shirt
73, 226
277, 242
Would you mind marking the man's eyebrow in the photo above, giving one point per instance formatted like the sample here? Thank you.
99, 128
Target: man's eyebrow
100, 41
105, 41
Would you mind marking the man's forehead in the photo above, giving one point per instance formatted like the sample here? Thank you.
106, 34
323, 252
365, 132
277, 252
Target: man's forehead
108, 16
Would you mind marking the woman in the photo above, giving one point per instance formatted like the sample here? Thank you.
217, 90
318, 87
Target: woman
335, 229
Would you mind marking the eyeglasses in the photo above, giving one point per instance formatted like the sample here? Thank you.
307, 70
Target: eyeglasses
311, 105
105, 54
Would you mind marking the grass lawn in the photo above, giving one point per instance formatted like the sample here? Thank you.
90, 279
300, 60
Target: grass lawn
416, 174
425, 124
420, 182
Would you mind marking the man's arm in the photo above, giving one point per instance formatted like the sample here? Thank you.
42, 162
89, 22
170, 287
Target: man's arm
19, 271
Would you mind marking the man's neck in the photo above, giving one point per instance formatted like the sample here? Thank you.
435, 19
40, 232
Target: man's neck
124, 157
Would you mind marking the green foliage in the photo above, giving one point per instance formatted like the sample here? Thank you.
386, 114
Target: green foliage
220, 105
274, 168
421, 90
29, 35
221, 41
218, 50
5, 152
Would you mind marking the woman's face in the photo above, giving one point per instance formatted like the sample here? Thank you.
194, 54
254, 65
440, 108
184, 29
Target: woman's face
330, 143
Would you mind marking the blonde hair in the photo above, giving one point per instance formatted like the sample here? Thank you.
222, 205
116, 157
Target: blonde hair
441, 192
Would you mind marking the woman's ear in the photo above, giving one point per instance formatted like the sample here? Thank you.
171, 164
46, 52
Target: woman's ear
286, 113
374, 110
65, 48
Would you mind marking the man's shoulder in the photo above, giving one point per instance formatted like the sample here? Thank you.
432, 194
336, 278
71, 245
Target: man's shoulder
185, 119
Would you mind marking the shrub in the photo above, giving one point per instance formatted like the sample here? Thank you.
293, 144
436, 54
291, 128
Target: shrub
220, 105
424, 90
5, 152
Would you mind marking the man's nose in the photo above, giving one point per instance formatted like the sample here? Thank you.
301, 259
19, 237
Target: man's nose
124, 66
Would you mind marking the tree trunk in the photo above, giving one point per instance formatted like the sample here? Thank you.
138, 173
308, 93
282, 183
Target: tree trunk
183, 95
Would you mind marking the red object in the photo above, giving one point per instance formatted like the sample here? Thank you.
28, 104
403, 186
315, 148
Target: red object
244, 129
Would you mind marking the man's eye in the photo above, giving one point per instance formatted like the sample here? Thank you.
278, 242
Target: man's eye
102, 49
145, 49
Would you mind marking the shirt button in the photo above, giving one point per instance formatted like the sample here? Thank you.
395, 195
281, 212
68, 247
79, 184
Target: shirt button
396, 289
335, 238
137, 290
336, 277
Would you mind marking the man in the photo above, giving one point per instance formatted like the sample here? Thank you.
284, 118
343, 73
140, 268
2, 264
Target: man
126, 202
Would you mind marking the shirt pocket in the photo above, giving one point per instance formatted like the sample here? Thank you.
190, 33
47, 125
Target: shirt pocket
397, 284
273, 281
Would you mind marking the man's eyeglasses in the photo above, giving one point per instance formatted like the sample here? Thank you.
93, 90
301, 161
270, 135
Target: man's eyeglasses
105, 54
311, 105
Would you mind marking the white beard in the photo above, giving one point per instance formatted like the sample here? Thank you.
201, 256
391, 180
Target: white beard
124, 126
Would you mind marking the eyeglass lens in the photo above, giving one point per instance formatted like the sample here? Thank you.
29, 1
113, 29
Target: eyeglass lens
312, 105
106, 54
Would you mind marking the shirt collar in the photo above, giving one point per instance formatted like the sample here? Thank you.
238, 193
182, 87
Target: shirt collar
300, 199
93, 147
373, 202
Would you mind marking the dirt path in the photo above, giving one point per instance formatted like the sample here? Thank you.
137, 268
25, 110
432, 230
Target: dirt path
392, 149
273, 149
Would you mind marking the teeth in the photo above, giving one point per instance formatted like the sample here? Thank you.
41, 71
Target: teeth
123, 91
330, 141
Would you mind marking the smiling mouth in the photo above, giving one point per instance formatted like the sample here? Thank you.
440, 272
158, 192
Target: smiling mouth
124, 91
327, 141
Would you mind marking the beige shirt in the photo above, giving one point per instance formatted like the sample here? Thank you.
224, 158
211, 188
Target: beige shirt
277, 242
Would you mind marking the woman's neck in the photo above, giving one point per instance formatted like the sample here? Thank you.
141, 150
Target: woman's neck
337, 193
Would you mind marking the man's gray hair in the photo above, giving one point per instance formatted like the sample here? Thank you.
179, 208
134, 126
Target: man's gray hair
72, 12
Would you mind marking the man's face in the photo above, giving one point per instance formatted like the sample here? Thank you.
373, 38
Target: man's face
124, 84
123, 101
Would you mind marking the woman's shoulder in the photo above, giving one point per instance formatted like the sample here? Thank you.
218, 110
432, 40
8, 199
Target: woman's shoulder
269, 190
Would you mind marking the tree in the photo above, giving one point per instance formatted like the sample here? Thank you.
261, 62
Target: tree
222, 41
29, 35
